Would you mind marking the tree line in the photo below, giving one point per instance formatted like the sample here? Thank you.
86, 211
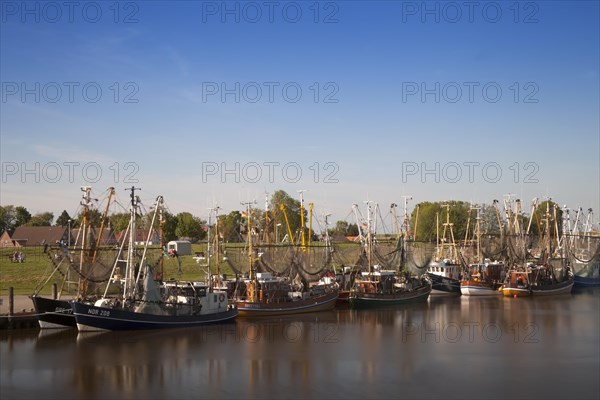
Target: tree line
283, 219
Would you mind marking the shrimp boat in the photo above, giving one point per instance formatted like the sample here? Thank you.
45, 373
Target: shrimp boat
266, 294
484, 277
90, 269
517, 281
379, 287
552, 275
583, 248
516, 284
445, 270
144, 304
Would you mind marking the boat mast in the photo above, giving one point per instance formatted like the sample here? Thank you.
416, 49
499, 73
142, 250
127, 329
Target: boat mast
406, 220
111, 192
266, 217
416, 224
478, 230
369, 235
393, 207
249, 233
216, 247
129, 269
83, 229
302, 217
310, 218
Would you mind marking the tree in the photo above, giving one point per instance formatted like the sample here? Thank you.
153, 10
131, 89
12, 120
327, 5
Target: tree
63, 219
292, 210
169, 226
41, 219
427, 226
119, 221
22, 216
544, 219
8, 218
344, 228
229, 226
189, 226
94, 218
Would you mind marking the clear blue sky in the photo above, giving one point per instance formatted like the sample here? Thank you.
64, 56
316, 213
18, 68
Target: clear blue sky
370, 63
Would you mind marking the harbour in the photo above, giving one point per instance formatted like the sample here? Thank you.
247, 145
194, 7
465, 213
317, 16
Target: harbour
447, 347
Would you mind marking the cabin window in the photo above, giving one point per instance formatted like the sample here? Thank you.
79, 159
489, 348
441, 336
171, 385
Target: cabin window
215, 298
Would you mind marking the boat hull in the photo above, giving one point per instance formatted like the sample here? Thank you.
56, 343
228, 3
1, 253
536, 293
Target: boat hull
53, 314
444, 285
581, 281
479, 291
555, 289
515, 291
476, 288
374, 300
321, 303
343, 298
92, 318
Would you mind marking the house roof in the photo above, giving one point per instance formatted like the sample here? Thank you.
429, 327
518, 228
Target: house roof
108, 236
6, 240
39, 235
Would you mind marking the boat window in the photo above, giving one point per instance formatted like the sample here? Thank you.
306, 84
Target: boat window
442, 269
215, 298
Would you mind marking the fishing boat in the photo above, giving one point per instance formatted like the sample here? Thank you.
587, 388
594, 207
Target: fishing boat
517, 282
484, 277
551, 274
380, 287
587, 273
444, 271
545, 281
90, 269
267, 294
583, 248
142, 303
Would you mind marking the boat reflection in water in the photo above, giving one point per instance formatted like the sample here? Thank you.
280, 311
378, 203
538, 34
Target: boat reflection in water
348, 353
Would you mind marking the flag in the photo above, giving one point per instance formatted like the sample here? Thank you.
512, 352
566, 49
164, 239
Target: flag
244, 214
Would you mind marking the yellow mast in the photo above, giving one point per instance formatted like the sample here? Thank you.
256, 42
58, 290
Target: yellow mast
111, 192
287, 222
416, 224
302, 218
310, 207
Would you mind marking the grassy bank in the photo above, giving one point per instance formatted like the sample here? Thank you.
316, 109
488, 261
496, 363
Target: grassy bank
27, 276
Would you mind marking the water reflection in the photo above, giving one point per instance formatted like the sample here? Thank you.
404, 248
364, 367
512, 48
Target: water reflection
502, 347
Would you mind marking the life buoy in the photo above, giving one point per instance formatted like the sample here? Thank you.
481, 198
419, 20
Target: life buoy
221, 297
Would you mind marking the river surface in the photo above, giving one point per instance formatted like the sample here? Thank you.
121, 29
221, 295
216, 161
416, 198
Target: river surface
447, 348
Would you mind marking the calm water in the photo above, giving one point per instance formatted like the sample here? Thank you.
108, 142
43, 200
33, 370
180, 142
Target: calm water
446, 348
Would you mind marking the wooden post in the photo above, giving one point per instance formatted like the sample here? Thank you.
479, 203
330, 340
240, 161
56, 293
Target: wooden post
54, 291
11, 301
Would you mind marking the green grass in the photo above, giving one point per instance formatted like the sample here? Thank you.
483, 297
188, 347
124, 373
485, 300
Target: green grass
25, 277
